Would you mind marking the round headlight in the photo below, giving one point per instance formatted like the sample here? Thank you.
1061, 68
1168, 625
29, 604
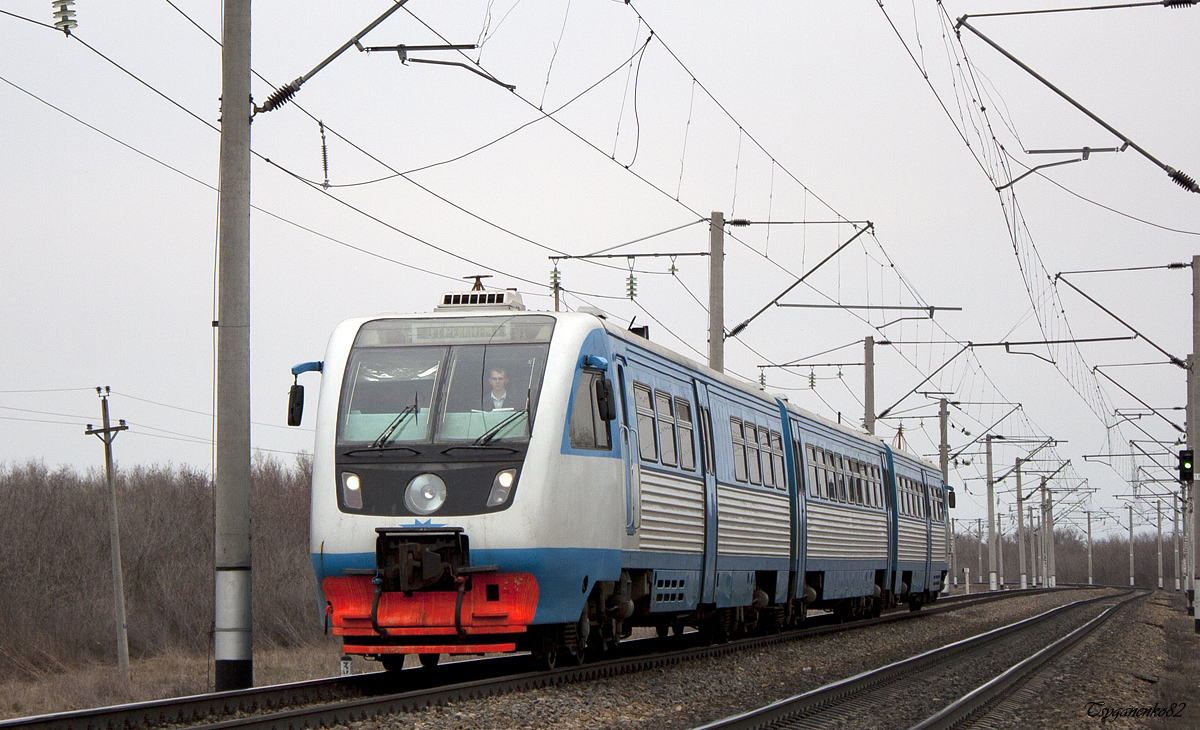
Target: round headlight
425, 494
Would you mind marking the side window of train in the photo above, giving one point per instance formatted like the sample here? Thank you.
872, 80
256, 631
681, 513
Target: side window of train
587, 428
813, 481
665, 410
683, 420
739, 449
706, 447
752, 455
777, 460
647, 439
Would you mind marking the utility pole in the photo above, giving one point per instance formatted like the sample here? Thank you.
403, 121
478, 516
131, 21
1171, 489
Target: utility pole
991, 497
1021, 529
232, 620
953, 552
1193, 401
1000, 540
1089, 536
1158, 505
869, 390
106, 434
1131, 544
1175, 504
979, 549
943, 462
1052, 580
716, 291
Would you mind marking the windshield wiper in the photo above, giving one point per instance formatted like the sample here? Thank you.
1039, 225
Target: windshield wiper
384, 437
380, 450
494, 431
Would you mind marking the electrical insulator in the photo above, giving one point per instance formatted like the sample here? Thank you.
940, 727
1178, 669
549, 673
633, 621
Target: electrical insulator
762, 377
812, 379
555, 279
64, 15
631, 286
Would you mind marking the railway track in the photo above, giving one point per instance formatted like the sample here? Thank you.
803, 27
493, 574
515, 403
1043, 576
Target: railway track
909, 693
337, 700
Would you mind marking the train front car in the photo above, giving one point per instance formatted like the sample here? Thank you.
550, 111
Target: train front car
446, 517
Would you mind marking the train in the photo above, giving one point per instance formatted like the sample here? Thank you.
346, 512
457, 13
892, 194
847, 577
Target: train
488, 478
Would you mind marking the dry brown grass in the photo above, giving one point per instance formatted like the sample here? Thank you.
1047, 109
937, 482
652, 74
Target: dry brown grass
56, 616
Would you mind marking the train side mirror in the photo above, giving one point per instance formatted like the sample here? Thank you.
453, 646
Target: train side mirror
950, 499
295, 405
606, 402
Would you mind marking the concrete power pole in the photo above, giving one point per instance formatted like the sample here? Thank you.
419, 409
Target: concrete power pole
991, 497
107, 433
232, 621
716, 292
1050, 547
979, 549
1000, 542
1021, 529
1089, 536
943, 461
869, 391
1131, 544
1193, 401
1175, 504
1158, 506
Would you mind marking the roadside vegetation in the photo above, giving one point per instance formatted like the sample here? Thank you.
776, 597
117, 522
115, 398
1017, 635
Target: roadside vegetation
57, 609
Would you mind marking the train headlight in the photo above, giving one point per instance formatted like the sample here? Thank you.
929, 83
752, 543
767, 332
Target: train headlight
425, 494
501, 487
351, 490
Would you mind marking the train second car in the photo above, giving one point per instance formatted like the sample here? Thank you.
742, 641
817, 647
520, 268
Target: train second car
489, 479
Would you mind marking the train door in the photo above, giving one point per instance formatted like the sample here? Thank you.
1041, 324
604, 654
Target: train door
799, 494
629, 451
709, 466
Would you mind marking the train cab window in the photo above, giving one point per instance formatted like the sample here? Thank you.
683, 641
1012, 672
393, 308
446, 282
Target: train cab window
666, 427
683, 420
587, 429
647, 439
752, 457
739, 449
777, 460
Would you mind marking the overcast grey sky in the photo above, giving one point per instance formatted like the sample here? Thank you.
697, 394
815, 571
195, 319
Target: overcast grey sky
775, 111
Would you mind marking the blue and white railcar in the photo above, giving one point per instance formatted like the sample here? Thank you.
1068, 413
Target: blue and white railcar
491, 479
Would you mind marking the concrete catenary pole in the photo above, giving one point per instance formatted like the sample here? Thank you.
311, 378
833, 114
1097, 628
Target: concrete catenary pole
107, 433
1158, 509
1089, 538
991, 497
1021, 528
1000, 543
979, 549
232, 608
953, 552
1194, 403
1131, 544
716, 291
869, 390
1175, 504
944, 463
1052, 580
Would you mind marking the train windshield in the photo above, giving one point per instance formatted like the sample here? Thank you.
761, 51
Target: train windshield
470, 379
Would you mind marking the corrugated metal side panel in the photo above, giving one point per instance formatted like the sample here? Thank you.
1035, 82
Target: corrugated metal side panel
837, 532
672, 514
753, 523
912, 540
938, 550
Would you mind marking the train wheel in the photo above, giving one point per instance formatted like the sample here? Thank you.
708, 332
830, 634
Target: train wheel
546, 660
392, 662
664, 630
429, 660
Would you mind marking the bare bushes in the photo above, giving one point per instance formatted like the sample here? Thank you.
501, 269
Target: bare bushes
56, 583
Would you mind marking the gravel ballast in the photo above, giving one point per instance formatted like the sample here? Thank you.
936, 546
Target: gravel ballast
694, 693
